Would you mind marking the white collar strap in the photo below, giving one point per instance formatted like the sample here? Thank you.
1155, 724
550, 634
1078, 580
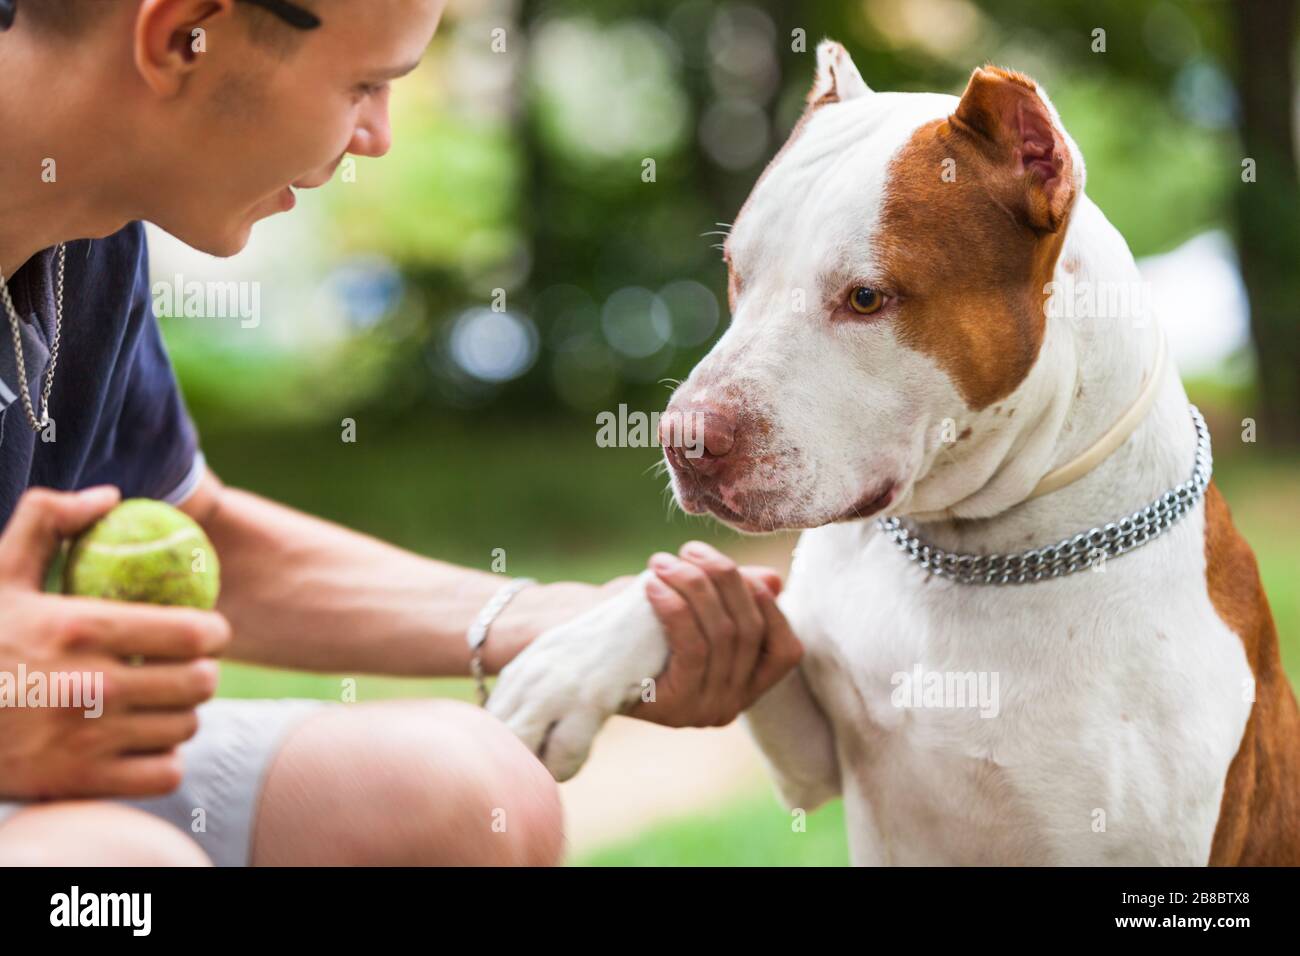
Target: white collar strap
1075, 469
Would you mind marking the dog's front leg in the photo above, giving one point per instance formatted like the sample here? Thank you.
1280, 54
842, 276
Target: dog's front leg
559, 692
797, 743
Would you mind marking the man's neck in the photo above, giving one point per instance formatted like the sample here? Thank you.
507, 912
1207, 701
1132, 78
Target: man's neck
59, 157
1091, 369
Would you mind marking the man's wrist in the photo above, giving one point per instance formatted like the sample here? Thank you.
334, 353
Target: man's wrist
476, 637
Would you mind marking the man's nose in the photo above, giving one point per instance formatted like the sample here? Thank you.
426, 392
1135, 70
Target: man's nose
698, 438
373, 136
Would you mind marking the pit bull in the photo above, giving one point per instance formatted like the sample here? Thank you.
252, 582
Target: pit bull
1032, 634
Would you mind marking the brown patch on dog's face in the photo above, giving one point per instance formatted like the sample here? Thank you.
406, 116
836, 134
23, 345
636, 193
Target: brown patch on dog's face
972, 225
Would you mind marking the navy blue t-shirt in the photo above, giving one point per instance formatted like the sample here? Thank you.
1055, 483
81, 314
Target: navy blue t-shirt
118, 415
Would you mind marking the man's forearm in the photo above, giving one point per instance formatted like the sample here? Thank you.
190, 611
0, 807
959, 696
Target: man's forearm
304, 593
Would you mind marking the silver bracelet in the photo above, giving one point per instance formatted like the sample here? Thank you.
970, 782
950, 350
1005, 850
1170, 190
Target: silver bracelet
478, 631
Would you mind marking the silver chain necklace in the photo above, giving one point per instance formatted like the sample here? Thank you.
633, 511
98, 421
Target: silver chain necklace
1068, 555
15, 326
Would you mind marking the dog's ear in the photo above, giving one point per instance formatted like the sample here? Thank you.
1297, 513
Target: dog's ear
1018, 128
837, 78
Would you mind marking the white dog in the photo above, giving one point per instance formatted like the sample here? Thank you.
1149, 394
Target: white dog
931, 324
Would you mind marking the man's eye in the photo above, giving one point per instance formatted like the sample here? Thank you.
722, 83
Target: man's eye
371, 89
865, 301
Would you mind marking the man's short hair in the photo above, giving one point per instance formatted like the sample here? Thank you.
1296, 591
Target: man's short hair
71, 18
63, 18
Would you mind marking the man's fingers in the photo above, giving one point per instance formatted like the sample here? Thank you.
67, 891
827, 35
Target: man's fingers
698, 591
145, 775
688, 655
738, 601
764, 576
129, 630
156, 732
686, 644
160, 686
782, 651
716, 624
39, 523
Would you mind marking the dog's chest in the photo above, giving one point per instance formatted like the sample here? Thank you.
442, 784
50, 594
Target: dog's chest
1017, 725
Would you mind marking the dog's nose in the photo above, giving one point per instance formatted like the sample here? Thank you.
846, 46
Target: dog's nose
698, 438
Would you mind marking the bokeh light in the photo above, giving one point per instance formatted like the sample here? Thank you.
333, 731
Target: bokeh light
492, 346
636, 322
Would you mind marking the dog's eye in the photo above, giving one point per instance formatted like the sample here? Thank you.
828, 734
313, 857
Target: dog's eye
864, 301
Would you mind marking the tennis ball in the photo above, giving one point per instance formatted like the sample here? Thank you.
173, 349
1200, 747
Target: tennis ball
144, 551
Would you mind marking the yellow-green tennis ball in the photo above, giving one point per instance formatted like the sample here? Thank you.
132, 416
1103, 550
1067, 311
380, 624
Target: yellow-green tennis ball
145, 551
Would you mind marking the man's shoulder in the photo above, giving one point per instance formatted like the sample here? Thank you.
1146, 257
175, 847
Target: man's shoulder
109, 276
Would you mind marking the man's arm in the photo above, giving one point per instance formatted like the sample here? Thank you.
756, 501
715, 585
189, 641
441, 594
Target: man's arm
304, 593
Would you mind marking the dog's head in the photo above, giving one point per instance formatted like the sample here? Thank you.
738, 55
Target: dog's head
886, 282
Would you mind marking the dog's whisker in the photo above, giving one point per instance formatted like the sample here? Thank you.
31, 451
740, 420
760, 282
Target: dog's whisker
670, 502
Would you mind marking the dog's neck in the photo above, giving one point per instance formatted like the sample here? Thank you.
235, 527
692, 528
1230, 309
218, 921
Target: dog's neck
1091, 369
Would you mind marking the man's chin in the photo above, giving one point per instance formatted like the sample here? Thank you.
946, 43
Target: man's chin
223, 245
231, 238
231, 245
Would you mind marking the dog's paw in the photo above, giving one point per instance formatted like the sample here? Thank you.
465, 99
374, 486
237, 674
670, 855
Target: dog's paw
559, 692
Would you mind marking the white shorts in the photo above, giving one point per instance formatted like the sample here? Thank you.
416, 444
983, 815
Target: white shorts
224, 767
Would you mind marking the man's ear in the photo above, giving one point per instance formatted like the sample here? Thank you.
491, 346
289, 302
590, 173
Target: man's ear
1018, 128
837, 78
167, 48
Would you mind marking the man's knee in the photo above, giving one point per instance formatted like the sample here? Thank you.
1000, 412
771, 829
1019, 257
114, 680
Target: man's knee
94, 833
503, 778
483, 799
408, 783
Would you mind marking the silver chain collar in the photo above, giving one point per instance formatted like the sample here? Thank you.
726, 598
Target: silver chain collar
1085, 549
16, 328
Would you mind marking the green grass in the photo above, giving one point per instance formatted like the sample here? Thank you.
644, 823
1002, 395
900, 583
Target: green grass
755, 831
248, 681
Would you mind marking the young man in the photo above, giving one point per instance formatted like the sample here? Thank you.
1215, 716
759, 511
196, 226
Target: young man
109, 116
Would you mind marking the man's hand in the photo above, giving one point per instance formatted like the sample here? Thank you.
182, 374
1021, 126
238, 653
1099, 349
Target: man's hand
727, 640
616, 658
148, 710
